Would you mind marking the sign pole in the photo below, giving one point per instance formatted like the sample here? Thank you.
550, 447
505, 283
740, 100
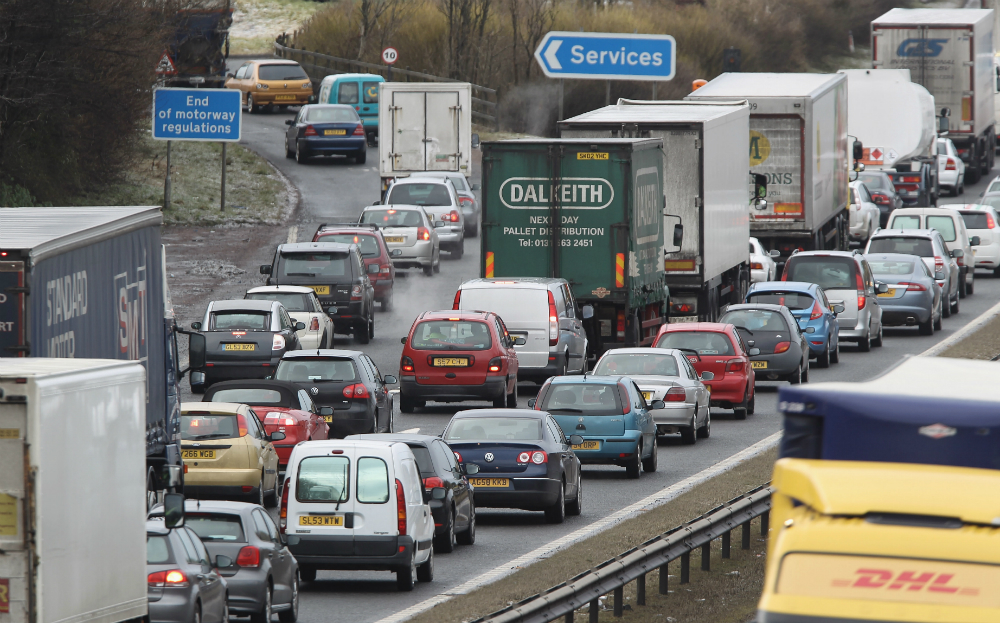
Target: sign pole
222, 202
654, 90
166, 182
607, 93
562, 97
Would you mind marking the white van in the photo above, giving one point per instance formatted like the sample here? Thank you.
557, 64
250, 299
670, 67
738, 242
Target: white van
540, 310
358, 505
951, 226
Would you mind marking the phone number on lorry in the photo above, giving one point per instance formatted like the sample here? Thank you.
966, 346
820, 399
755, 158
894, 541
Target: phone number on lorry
544, 242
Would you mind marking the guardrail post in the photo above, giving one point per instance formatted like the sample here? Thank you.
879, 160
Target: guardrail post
664, 578
725, 541
685, 567
619, 598
706, 556
594, 611
569, 617
745, 544
640, 590
764, 521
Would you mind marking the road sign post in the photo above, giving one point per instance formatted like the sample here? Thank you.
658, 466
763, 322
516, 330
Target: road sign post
389, 57
607, 56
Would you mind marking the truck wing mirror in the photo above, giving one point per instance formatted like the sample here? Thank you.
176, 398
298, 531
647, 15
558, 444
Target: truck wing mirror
475, 141
265, 269
196, 351
587, 312
173, 510
678, 234
859, 150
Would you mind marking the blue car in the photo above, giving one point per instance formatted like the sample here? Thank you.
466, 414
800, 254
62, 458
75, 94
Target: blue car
326, 130
611, 416
816, 316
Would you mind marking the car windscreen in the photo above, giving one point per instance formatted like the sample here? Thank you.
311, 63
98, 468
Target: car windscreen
291, 301
756, 320
249, 320
614, 364
305, 369
451, 335
921, 247
976, 220
942, 148
251, 396
431, 194
519, 307
828, 272
891, 267
331, 115
216, 526
582, 399
855, 199
791, 300
366, 242
323, 479
197, 426
495, 429
157, 550
281, 72
945, 226
393, 218
874, 181
332, 264
704, 342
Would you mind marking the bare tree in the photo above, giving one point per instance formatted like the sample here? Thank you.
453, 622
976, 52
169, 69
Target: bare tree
467, 21
529, 21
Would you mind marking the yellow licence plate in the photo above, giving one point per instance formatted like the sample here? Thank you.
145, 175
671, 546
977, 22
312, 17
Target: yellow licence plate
489, 482
321, 520
320, 289
709, 388
888, 293
588, 445
334, 132
198, 454
451, 362
239, 346
397, 239
284, 97
328, 418
647, 396
758, 365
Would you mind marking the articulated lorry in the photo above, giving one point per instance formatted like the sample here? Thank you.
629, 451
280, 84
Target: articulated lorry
950, 53
72, 494
198, 45
798, 139
90, 282
588, 211
706, 194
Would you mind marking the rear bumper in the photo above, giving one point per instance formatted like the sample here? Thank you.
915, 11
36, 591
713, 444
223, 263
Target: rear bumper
492, 388
451, 234
727, 389
383, 289
673, 415
611, 450
419, 255
777, 365
225, 371
386, 553
355, 420
530, 494
297, 99
173, 605
553, 367
223, 479
219, 492
896, 315
322, 146
311, 339
779, 617
987, 256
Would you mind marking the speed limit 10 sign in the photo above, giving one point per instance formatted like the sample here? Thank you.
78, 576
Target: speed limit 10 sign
390, 56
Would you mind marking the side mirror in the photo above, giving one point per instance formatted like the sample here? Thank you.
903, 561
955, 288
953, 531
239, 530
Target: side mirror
390, 379
265, 269
587, 312
678, 234
838, 308
300, 326
974, 241
402, 340
276, 436
881, 288
376, 202
774, 253
196, 326
750, 342
707, 376
520, 341
531, 402
395, 253
289, 121
438, 223
475, 141
810, 329
439, 493
173, 510
230, 74
958, 253
373, 269
575, 440
196, 351
657, 404
753, 352
470, 469
476, 187
859, 150
223, 562
326, 410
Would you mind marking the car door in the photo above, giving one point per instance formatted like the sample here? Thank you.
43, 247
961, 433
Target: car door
268, 457
325, 321
570, 468
507, 343
211, 588
288, 327
829, 317
381, 392
460, 491
644, 420
875, 309
282, 561
306, 404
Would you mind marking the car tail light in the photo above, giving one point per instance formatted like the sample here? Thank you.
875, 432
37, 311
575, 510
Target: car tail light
457, 456
539, 456
356, 391
359, 131
950, 166
938, 264
784, 273
458, 299
278, 343
423, 233
314, 324
495, 364
275, 418
249, 556
861, 289
283, 513
451, 216
466, 200
781, 347
880, 199
524, 457
861, 302
913, 287
406, 364
990, 224
310, 131
400, 509
356, 293
621, 326
911, 179
735, 365
817, 312
241, 423
675, 394
553, 321
756, 266
433, 481
174, 577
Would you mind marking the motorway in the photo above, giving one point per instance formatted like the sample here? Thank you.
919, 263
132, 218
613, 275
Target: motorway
333, 190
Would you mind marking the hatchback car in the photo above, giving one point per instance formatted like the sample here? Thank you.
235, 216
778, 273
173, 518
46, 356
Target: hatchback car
864, 214
263, 83
610, 414
453, 356
455, 514
816, 315
667, 376
347, 380
243, 340
983, 222
303, 306
762, 266
913, 296
720, 358
183, 583
285, 408
846, 280
440, 201
525, 460
263, 577
374, 252
326, 130
466, 197
951, 168
951, 226
930, 247
410, 235
338, 275
783, 353
883, 193
227, 453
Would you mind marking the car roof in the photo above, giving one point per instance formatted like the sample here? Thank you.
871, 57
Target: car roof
291, 289
822, 253
322, 352
448, 314
274, 61
331, 106
231, 408
782, 286
281, 386
588, 378
295, 247
480, 413
640, 351
912, 233
714, 327
402, 437
322, 446
392, 206
423, 180
946, 209
528, 283
760, 306
335, 77
243, 304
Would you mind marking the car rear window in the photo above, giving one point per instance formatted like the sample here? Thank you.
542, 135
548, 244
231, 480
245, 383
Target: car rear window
281, 72
828, 272
458, 181
582, 398
921, 247
451, 335
975, 220
366, 242
519, 307
791, 300
371, 92
304, 369
873, 181
216, 527
420, 194
756, 320
704, 342
891, 267
637, 364
332, 115
291, 301
373, 481
495, 429
323, 479
250, 396
424, 461
254, 321
347, 93
210, 426
905, 222
393, 218
157, 550
315, 265
945, 225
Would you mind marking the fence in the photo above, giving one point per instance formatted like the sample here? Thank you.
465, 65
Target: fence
612, 576
318, 66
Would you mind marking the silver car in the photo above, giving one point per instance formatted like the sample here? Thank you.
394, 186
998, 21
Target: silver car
409, 234
466, 197
438, 198
184, 585
665, 374
913, 297
931, 248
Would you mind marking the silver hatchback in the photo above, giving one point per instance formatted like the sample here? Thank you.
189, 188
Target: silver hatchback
409, 235
440, 201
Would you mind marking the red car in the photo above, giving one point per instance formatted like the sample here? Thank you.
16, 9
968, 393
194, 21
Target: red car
374, 253
716, 348
451, 356
281, 406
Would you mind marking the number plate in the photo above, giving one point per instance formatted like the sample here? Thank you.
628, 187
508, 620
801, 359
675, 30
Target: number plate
239, 346
396, 239
889, 293
320, 289
451, 362
321, 520
709, 388
489, 482
198, 454
588, 445
334, 132
647, 396
758, 365
284, 97
328, 418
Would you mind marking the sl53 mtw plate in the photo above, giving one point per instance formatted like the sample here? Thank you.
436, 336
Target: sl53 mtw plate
321, 520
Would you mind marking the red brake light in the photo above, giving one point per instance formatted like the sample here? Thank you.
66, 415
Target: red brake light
283, 513
433, 481
861, 289
452, 216
675, 394
913, 287
423, 233
458, 299
911, 179
400, 509
360, 130
356, 293
990, 224
625, 403
160, 579
781, 347
249, 556
735, 365
538, 457
406, 364
356, 391
553, 321
310, 131
495, 364
524, 457
241, 422
817, 312
950, 166
784, 273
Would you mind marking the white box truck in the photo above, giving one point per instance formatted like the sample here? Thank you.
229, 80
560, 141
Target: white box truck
798, 139
706, 193
424, 126
72, 490
950, 52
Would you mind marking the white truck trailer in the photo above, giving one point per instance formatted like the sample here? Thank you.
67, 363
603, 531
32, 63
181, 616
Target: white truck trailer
894, 119
706, 194
950, 53
72, 490
424, 126
798, 139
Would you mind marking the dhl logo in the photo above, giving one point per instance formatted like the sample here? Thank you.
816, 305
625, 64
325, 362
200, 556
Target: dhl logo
927, 581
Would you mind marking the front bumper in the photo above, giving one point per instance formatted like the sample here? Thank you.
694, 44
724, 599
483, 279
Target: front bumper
493, 387
555, 365
327, 146
355, 420
381, 553
530, 494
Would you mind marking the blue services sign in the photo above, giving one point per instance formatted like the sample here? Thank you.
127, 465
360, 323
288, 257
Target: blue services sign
197, 114
607, 56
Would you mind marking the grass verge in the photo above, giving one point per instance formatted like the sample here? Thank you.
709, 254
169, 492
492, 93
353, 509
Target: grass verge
982, 344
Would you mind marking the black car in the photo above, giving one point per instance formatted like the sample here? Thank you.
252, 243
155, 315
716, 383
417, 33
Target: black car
347, 380
337, 273
784, 351
525, 460
883, 193
243, 340
455, 515
326, 130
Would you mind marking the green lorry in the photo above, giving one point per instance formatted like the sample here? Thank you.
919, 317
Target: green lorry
589, 211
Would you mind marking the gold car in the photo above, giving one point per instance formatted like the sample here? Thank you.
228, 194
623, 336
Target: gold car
227, 454
271, 82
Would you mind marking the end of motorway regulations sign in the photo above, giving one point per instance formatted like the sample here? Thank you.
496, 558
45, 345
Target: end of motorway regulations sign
197, 114
607, 56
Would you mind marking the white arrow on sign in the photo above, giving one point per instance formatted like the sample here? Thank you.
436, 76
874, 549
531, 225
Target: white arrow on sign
550, 54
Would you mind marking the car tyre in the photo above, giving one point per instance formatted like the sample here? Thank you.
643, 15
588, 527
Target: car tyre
371, 325
927, 328
292, 614
937, 323
865, 343
362, 333
272, 497
575, 507
970, 285
877, 342
257, 497
386, 303
963, 287
823, 361
795, 377
307, 574
362, 156
429, 270
425, 572
557, 512
649, 464
288, 152
437, 265
406, 576
445, 542
805, 373
406, 405
634, 468
468, 536
264, 616
954, 306
752, 404
945, 305
300, 154
251, 107
512, 397
741, 410
688, 434
705, 431
197, 614
458, 251
834, 355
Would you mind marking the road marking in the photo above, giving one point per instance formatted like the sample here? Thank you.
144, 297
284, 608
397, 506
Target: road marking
293, 234
661, 497
410, 431
977, 323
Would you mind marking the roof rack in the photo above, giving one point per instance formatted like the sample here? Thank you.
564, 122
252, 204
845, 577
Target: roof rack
323, 226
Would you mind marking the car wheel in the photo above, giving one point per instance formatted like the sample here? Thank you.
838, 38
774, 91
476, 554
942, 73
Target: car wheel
963, 286
865, 343
706, 431
557, 512
961, 189
954, 306
688, 437
835, 354
468, 536
649, 463
634, 467
970, 284
805, 373
251, 107
927, 328
288, 152
877, 342
264, 615
197, 614
361, 334
272, 497
445, 542
945, 306
406, 575
300, 154
292, 614
795, 377
406, 405
362, 156
437, 265
752, 404
823, 361
429, 270
225, 609
307, 574
258, 496
458, 251
425, 572
386, 303
512, 397
740, 410
575, 507
937, 323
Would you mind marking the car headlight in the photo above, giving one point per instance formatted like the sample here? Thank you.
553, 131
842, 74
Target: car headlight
261, 87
